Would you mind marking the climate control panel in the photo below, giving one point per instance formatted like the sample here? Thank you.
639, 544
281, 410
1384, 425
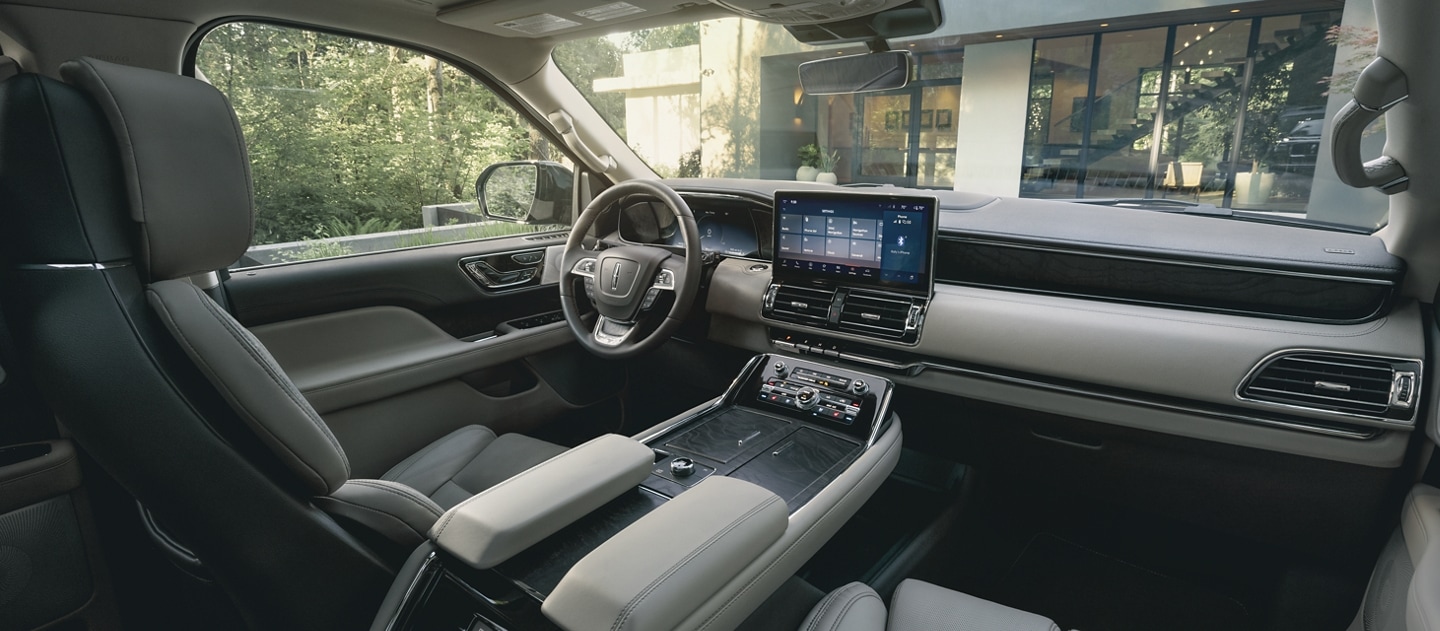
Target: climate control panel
845, 400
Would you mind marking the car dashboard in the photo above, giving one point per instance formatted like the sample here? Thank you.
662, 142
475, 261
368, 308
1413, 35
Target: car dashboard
1200, 327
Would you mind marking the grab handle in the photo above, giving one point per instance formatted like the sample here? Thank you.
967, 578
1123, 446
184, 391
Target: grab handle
1381, 85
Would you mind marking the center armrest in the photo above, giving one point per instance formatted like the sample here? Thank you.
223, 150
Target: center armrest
659, 570
495, 525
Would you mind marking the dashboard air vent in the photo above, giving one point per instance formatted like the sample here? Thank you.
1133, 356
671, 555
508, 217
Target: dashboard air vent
878, 316
799, 304
1373, 387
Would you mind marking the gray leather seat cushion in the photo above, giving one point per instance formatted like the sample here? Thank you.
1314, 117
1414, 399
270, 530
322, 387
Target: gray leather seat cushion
917, 606
468, 461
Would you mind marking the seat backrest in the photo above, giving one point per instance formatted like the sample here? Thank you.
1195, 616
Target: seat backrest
117, 183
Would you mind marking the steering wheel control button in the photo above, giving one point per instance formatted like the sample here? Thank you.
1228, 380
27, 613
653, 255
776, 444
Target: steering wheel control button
682, 467
665, 280
650, 296
585, 267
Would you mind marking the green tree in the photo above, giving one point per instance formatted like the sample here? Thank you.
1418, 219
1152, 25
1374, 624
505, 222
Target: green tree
343, 131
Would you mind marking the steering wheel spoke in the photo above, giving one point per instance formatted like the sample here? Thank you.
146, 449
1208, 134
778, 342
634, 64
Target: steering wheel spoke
612, 333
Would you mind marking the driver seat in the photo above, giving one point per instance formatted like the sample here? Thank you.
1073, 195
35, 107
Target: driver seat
119, 186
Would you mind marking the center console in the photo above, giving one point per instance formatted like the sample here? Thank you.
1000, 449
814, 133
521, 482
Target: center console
787, 454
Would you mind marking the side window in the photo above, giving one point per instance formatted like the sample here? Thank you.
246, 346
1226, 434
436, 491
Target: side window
357, 146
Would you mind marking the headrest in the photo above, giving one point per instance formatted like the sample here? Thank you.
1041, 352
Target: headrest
186, 172
63, 190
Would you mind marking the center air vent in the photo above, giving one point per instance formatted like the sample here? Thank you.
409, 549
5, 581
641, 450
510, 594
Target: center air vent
880, 316
1372, 387
799, 304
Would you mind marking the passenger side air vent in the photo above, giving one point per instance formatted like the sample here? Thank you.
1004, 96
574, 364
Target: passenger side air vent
799, 304
888, 317
1355, 385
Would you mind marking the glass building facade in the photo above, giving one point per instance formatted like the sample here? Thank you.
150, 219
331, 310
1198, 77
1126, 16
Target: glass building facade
1227, 113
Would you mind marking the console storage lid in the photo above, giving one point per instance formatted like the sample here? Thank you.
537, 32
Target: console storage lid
493, 526
661, 569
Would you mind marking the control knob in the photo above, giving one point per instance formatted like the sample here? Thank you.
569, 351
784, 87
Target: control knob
806, 398
859, 386
780, 369
682, 467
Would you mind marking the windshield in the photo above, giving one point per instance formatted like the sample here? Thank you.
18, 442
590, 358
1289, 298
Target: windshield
1231, 111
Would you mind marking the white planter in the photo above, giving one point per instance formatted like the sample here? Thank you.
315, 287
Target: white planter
806, 174
1251, 190
827, 178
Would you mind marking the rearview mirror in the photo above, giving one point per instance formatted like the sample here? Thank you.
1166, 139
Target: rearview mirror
526, 192
873, 72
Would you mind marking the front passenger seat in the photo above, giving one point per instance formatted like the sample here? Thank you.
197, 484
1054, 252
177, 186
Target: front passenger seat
917, 606
118, 185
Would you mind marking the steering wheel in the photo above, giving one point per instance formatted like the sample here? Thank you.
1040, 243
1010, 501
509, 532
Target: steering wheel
622, 283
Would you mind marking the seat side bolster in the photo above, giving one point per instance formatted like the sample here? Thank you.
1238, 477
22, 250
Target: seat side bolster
253, 384
853, 607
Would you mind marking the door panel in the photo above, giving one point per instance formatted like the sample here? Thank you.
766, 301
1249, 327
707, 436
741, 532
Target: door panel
397, 349
428, 280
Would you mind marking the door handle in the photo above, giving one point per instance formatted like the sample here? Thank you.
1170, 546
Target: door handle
1380, 87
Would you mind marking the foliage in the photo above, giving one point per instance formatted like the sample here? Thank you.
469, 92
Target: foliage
829, 159
584, 61
690, 164
662, 37
346, 132
1358, 44
473, 231
809, 155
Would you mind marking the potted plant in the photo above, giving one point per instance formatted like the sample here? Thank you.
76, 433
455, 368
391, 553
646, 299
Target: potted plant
829, 159
1253, 187
809, 159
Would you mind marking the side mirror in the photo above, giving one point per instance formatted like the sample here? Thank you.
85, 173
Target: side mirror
526, 192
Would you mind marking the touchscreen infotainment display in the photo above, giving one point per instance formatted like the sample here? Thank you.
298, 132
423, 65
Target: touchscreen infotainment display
864, 239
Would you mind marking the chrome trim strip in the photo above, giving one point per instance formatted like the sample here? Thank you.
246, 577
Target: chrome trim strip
725, 399
1277, 355
72, 266
420, 575
488, 284
1144, 259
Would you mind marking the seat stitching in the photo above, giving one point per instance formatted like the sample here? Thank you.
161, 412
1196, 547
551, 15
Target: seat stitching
220, 385
331, 498
851, 603
824, 607
645, 593
419, 455
65, 165
124, 129
771, 566
290, 392
1419, 519
426, 504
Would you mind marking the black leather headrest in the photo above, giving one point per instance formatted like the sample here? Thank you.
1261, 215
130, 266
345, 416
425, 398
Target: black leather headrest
183, 162
61, 189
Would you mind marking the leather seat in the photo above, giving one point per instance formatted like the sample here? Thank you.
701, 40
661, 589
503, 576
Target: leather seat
917, 606
120, 186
